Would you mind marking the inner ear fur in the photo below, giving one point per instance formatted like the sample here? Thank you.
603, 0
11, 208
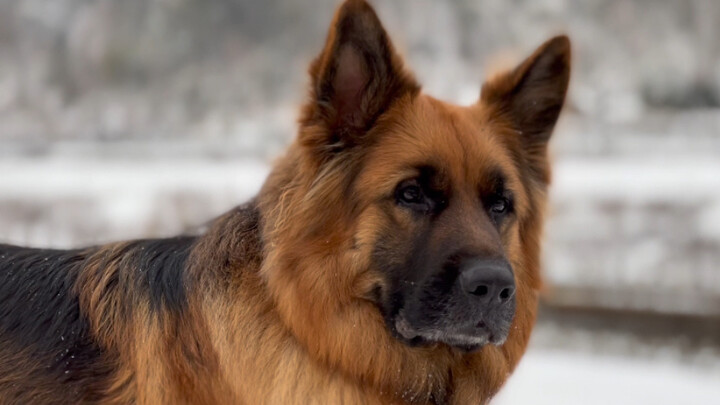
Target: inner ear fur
354, 79
532, 94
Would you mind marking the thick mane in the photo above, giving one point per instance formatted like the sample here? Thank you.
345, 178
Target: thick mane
233, 242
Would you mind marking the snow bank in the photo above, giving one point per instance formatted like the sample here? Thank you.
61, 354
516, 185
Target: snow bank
565, 378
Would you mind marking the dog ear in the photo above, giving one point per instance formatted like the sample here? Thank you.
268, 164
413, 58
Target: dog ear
533, 93
354, 79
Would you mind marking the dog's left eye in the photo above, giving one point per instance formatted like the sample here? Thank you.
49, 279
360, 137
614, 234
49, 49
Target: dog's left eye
500, 206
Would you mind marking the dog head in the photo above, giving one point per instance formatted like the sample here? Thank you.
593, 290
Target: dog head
438, 206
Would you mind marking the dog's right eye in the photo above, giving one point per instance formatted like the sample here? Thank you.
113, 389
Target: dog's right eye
410, 194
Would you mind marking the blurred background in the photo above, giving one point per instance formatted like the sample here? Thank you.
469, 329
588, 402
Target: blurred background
135, 118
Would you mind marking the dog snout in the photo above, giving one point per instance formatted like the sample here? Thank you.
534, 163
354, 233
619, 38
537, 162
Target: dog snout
487, 281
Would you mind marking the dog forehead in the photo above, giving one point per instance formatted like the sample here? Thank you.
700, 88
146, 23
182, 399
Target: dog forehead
459, 141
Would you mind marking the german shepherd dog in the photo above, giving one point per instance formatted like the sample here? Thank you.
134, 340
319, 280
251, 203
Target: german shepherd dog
392, 256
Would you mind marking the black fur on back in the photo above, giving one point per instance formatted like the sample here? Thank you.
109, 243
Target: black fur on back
40, 315
41, 320
161, 266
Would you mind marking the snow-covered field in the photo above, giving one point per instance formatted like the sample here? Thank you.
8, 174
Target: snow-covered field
546, 377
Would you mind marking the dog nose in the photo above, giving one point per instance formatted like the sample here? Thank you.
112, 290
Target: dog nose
488, 280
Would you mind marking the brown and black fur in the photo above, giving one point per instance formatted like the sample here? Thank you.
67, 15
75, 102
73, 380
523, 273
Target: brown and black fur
299, 296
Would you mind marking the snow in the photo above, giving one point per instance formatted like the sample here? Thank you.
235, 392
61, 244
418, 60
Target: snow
560, 378
69, 202
637, 180
56, 178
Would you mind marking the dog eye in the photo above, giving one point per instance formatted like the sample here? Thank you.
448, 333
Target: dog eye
411, 194
500, 206
419, 197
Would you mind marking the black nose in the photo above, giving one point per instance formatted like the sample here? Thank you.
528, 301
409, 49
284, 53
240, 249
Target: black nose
488, 280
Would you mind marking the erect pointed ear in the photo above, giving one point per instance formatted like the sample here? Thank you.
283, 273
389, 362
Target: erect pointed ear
354, 79
533, 93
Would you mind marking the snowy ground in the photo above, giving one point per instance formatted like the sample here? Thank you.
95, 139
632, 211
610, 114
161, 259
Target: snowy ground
546, 377
599, 357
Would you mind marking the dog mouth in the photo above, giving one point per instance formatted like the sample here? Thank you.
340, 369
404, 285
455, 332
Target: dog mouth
466, 338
